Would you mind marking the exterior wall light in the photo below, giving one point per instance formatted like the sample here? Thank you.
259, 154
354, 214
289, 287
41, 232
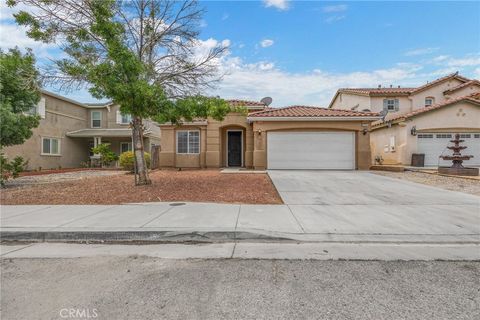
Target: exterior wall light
413, 131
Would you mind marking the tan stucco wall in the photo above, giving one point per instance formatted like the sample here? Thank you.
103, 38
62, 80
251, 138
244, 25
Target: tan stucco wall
418, 99
260, 129
60, 117
459, 117
212, 143
465, 91
346, 101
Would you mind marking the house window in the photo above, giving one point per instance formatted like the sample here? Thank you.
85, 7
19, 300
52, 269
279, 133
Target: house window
96, 119
444, 136
425, 136
126, 119
125, 146
50, 146
391, 104
188, 142
429, 101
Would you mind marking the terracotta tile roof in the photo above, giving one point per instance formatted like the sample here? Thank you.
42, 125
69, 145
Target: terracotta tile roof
434, 82
397, 91
244, 103
463, 85
377, 91
475, 98
306, 111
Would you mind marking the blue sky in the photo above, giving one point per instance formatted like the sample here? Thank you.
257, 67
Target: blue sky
301, 52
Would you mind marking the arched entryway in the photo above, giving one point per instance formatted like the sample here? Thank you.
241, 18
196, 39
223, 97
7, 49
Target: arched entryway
233, 146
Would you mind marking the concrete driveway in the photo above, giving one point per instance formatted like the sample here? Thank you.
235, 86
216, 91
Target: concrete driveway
359, 202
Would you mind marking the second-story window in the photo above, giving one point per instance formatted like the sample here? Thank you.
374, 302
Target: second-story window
126, 119
391, 104
429, 101
96, 119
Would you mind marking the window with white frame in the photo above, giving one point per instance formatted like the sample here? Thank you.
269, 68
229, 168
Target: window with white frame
51, 146
429, 101
188, 141
125, 146
96, 119
126, 119
391, 104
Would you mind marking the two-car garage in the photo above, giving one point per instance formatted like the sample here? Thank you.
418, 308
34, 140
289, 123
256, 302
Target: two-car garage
311, 138
311, 150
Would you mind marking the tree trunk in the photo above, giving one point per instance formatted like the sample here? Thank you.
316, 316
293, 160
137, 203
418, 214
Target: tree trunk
138, 149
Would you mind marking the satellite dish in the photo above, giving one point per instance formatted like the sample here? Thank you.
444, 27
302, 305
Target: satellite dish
266, 101
383, 114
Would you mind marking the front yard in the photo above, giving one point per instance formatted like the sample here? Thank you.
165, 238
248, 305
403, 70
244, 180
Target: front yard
466, 185
167, 185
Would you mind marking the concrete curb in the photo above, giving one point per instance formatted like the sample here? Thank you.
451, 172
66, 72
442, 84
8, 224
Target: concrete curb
212, 236
135, 236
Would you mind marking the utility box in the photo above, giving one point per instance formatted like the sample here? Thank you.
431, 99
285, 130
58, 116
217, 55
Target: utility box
418, 159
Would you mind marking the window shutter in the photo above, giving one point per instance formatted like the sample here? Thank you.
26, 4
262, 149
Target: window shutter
397, 105
41, 108
119, 117
385, 105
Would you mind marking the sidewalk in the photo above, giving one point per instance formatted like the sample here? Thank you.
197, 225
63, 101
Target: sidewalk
209, 222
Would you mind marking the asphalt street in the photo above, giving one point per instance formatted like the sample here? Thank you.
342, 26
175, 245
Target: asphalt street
138, 287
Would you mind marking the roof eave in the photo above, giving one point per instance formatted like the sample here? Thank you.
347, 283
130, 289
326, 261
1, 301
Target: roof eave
366, 118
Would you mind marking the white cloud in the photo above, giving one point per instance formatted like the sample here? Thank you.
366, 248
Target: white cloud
12, 35
279, 4
335, 18
225, 16
476, 73
266, 43
420, 51
335, 8
256, 80
440, 58
464, 62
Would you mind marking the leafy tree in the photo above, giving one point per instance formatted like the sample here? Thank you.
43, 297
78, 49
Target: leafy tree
10, 169
107, 156
19, 93
142, 54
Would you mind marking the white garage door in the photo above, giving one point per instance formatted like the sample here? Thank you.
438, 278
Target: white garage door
434, 145
311, 150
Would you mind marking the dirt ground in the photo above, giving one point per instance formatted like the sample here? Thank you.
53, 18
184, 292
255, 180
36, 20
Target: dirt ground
167, 185
449, 183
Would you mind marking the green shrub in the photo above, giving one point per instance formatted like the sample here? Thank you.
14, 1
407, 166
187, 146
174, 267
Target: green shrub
127, 160
107, 156
10, 169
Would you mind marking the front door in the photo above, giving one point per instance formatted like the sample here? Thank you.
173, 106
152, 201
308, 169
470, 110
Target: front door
234, 148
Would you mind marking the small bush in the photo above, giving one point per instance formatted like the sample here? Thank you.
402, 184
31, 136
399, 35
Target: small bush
127, 160
107, 156
10, 169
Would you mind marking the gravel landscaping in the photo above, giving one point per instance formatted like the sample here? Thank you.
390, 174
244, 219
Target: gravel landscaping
167, 185
466, 185
41, 178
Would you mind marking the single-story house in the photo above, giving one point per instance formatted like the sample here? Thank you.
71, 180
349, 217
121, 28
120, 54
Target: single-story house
295, 137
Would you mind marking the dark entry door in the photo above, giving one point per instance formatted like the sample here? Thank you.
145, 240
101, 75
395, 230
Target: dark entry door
234, 148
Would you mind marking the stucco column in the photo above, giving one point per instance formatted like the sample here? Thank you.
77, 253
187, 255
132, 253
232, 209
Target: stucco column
203, 147
259, 151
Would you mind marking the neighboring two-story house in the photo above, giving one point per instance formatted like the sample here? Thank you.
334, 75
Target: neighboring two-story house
69, 129
419, 120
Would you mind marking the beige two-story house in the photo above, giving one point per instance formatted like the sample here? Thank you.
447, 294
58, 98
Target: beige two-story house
68, 130
419, 120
